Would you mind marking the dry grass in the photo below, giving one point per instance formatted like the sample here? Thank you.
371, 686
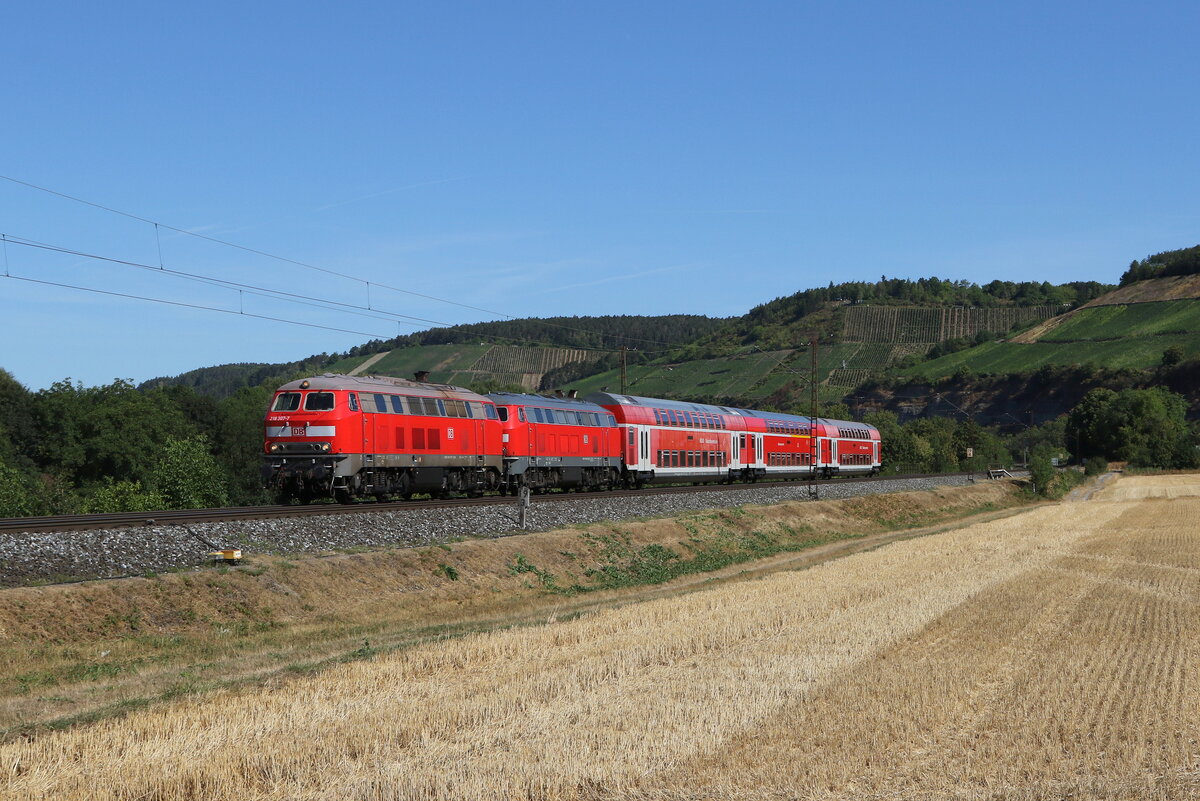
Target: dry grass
1131, 488
1047, 655
79, 651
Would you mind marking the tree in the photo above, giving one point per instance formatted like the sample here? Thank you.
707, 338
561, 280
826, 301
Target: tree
1145, 427
1092, 424
89, 434
238, 442
1172, 356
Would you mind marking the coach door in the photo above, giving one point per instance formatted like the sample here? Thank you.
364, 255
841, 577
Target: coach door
758, 450
644, 448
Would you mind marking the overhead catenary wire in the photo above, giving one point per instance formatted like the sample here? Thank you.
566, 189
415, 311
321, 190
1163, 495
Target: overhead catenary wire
191, 306
284, 259
370, 312
253, 289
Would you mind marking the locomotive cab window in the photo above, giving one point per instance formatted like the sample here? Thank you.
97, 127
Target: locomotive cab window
353, 402
286, 402
499, 411
318, 402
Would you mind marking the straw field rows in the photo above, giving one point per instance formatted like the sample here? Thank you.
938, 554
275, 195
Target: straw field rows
1049, 654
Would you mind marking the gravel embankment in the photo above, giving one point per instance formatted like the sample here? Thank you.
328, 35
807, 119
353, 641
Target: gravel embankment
37, 557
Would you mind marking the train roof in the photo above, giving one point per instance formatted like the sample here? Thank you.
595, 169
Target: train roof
613, 399
380, 383
545, 401
661, 403
847, 424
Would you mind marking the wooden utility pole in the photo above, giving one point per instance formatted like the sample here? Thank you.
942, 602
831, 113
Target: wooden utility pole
814, 491
623, 369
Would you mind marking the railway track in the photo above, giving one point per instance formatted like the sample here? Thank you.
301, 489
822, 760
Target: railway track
186, 516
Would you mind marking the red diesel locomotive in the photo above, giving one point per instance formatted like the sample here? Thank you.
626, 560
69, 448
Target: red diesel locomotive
356, 436
558, 442
351, 436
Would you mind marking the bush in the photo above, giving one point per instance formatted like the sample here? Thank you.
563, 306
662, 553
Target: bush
123, 496
1094, 466
17, 497
188, 477
1042, 472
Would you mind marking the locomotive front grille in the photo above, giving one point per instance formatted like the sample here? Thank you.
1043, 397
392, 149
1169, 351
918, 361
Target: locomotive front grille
294, 448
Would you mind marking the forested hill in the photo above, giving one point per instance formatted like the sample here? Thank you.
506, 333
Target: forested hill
607, 333
780, 323
789, 319
1162, 265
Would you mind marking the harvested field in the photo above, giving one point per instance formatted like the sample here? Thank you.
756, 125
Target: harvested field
1048, 654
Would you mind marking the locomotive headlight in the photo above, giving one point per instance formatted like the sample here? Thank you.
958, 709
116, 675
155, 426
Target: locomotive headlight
325, 446
274, 447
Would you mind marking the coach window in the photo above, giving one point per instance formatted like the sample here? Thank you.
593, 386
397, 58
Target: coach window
318, 402
286, 402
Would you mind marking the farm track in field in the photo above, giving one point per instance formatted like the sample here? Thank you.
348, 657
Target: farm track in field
185, 516
1046, 654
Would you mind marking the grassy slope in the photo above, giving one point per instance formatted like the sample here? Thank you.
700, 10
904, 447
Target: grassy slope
1132, 336
747, 375
1136, 320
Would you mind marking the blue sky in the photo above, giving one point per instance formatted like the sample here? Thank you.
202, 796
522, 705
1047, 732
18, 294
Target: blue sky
538, 159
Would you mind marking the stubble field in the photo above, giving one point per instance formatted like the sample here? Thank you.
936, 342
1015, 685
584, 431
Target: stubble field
1050, 654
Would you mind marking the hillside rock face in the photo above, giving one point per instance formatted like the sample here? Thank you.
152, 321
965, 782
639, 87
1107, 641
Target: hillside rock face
1012, 401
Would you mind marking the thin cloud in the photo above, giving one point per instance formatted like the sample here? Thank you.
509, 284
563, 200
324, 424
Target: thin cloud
340, 203
610, 279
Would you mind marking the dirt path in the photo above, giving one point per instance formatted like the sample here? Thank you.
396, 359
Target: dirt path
368, 364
